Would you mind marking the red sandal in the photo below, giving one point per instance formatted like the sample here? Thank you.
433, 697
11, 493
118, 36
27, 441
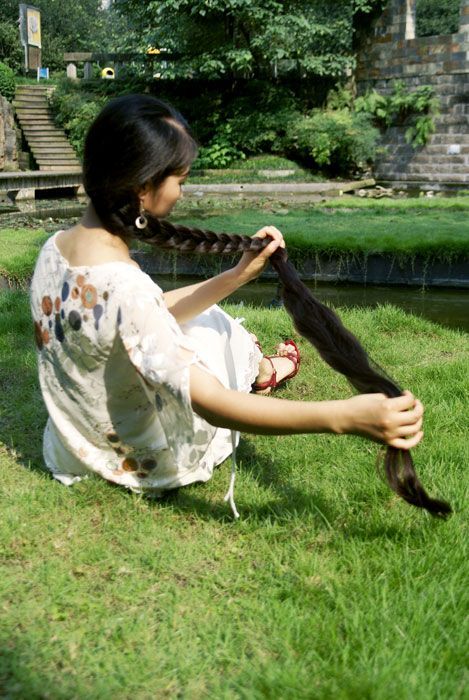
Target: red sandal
272, 383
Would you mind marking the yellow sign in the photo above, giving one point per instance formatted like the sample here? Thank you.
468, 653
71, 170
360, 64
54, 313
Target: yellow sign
33, 23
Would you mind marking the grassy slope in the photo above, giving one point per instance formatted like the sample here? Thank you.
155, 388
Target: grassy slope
328, 586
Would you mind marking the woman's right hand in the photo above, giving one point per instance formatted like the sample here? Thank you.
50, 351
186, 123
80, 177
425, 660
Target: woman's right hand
396, 422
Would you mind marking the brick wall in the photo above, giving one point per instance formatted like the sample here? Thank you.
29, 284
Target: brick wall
392, 52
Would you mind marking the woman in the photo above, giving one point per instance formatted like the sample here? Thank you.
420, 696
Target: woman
148, 389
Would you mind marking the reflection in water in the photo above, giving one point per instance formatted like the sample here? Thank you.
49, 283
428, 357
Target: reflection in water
449, 307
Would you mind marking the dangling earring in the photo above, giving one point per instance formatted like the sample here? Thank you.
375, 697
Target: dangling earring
141, 221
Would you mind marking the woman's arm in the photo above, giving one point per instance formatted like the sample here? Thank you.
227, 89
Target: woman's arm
372, 415
187, 302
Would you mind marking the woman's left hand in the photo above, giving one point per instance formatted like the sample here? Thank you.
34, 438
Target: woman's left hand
251, 265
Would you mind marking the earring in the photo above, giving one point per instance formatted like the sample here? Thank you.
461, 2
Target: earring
141, 221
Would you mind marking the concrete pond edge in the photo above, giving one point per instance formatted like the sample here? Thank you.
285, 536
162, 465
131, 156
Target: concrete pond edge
373, 269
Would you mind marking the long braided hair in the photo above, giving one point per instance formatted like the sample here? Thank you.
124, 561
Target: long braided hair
138, 140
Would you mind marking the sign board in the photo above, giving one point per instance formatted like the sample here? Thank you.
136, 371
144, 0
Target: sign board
30, 30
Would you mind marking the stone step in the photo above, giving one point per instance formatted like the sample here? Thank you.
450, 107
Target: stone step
32, 88
25, 112
61, 168
23, 105
33, 99
53, 157
443, 178
420, 169
63, 165
34, 121
53, 148
46, 140
49, 127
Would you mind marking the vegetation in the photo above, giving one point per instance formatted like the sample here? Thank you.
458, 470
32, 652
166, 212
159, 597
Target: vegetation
19, 249
437, 17
251, 38
7, 82
66, 26
328, 587
417, 109
433, 234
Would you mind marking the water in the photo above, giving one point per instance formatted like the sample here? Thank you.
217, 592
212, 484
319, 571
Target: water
448, 307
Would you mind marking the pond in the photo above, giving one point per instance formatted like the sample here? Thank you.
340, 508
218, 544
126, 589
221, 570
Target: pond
449, 307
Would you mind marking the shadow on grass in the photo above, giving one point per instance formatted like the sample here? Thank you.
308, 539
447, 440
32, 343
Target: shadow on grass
287, 502
23, 417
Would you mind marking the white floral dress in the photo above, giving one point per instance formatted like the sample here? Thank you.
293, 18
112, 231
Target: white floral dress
115, 379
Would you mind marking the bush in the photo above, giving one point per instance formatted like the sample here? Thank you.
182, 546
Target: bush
220, 152
415, 109
7, 82
10, 48
75, 110
340, 139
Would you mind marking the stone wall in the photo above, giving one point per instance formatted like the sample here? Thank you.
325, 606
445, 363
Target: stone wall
8, 137
392, 52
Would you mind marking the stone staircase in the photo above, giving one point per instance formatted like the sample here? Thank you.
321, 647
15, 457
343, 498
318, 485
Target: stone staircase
48, 143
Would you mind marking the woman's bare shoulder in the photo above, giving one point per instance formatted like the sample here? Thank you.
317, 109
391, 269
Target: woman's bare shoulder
82, 246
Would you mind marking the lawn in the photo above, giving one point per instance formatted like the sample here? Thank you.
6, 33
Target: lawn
328, 586
433, 228
441, 232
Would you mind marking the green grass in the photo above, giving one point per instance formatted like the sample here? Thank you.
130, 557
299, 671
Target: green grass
251, 176
442, 233
19, 249
387, 204
328, 587
251, 166
267, 162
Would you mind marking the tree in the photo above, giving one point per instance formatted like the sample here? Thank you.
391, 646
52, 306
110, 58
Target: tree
437, 17
66, 25
251, 38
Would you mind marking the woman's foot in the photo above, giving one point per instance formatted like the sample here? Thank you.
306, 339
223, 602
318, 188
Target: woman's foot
276, 369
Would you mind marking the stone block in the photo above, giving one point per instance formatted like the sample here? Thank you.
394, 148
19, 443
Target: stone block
8, 137
71, 71
25, 193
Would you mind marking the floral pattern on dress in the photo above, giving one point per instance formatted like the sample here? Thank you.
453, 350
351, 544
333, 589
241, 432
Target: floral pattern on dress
114, 372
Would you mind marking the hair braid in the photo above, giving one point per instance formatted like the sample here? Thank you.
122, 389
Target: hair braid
313, 320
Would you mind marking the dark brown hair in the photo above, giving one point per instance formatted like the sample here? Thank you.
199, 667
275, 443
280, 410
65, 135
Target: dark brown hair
156, 146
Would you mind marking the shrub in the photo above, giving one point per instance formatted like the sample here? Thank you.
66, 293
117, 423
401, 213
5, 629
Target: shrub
260, 119
340, 139
10, 48
220, 152
75, 110
415, 109
7, 82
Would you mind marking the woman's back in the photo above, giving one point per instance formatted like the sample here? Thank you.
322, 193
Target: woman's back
112, 375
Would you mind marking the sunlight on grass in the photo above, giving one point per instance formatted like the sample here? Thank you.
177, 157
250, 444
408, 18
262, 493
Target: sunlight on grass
328, 587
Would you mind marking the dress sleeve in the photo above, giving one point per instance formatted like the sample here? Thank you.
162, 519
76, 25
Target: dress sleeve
158, 350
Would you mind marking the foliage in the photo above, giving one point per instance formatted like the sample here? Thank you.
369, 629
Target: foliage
7, 82
437, 17
10, 48
220, 152
74, 111
66, 26
339, 138
417, 109
250, 38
